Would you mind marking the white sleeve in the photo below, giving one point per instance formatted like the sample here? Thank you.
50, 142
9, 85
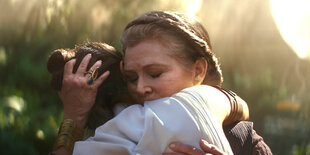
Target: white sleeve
120, 135
185, 117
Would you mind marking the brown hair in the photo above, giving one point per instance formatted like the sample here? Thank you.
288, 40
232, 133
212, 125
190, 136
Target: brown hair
185, 34
111, 89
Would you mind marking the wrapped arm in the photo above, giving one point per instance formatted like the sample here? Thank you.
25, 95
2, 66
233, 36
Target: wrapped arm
239, 110
150, 128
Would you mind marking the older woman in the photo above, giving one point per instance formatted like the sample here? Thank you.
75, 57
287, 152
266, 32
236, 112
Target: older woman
163, 111
164, 54
183, 38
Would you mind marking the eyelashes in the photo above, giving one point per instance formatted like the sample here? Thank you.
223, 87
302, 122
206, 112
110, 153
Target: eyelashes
134, 78
155, 75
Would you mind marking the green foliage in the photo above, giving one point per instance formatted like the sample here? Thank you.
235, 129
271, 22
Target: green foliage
259, 91
10, 143
303, 149
30, 111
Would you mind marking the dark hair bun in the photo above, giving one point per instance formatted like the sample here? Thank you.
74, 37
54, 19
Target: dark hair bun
55, 65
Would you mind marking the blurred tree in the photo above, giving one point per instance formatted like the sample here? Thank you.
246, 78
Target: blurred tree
30, 112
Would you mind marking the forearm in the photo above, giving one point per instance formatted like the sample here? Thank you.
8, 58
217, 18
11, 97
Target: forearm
68, 134
79, 120
60, 151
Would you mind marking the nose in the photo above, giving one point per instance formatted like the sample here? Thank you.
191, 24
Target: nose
143, 89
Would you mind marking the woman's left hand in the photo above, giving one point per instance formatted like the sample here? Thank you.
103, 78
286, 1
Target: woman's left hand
207, 148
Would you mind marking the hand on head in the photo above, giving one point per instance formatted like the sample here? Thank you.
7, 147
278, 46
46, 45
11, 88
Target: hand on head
77, 95
76, 76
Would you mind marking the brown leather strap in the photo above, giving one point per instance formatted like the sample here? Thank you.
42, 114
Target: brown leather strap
236, 108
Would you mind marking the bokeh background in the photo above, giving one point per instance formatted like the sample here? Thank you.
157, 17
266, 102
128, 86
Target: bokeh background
263, 47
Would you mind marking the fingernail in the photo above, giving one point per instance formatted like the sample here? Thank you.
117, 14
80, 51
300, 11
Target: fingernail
89, 55
172, 145
204, 141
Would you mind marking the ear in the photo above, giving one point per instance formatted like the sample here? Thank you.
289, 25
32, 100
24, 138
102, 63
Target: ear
200, 70
121, 65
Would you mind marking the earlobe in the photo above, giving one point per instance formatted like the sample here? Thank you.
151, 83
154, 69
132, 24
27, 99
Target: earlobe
201, 66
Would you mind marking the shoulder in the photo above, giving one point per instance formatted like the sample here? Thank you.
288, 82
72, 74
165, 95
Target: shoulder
131, 114
200, 93
199, 89
205, 92
127, 120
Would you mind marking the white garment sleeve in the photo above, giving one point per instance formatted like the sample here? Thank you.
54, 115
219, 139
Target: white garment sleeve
184, 117
118, 136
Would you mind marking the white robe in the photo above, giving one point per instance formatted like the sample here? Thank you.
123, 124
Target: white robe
185, 117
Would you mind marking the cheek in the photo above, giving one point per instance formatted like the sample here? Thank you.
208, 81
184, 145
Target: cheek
131, 88
181, 82
170, 86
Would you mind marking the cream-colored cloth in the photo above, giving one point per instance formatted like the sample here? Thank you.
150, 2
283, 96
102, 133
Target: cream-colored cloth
185, 117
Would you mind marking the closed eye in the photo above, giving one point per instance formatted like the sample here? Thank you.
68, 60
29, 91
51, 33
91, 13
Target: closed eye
155, 75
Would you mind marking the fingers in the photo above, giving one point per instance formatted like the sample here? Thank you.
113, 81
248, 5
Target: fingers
83, 65
100, 80
95, 66
181, 148
184, 148
210, 148
68, 68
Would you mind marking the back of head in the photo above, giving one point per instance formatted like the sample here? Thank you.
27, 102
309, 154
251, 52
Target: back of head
188, 38
110, 90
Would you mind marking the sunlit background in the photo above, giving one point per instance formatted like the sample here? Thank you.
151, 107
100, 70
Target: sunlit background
263, 47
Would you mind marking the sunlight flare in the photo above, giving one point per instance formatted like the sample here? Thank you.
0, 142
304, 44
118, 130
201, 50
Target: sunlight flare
40, 134
16, 103
292, 18
192, 6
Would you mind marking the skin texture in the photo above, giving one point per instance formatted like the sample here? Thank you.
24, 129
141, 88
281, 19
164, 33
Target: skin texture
207, 148
154, 73
76, 94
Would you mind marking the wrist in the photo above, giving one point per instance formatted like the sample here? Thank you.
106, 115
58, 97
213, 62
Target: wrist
68, 134
80, 121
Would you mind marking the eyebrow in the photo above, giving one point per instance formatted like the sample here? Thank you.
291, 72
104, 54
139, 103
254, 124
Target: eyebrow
147, 66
